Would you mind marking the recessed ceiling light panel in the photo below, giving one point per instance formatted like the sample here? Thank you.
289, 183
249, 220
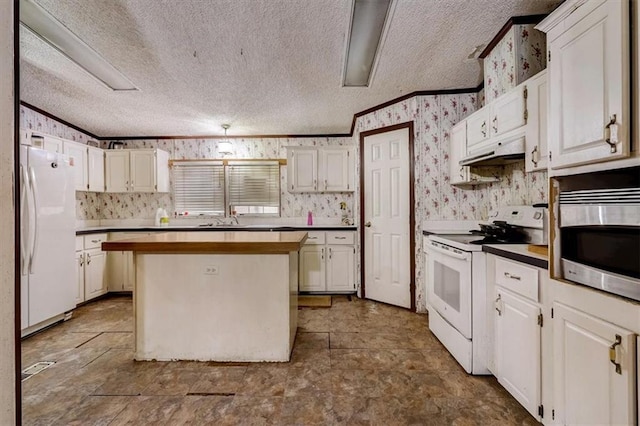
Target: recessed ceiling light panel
40, 22
368, 22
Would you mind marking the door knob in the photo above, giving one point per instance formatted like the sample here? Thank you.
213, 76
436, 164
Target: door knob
368, 224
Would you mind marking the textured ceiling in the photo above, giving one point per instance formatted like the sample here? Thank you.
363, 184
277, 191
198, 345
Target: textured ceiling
263, 66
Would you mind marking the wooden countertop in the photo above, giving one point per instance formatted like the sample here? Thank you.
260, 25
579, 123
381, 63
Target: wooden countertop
212, 242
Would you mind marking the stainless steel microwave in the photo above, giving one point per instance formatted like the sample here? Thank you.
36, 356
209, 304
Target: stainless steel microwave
600, 239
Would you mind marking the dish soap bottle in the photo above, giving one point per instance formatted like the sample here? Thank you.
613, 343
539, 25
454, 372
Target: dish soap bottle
159, 213
309, 218
164, 219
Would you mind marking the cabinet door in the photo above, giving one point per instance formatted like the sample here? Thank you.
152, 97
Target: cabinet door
52, 144
341, 268
312, 268
94, 273
589, 84
116, 270
335, 170
117, 171
508, 112
587, 387
143, 170
80, 277
477, 131
95, 161
78, 154
302, 170
536, 153
517, 348
457, 150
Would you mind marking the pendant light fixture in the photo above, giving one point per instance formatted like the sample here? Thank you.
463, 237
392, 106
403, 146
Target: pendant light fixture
225, 147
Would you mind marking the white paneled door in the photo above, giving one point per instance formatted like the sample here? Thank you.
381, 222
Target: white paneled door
387, 269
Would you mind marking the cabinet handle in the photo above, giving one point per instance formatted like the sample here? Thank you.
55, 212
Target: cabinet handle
513, 277
340, 238
322, 254
483, 129
498, 304
611, 130
613, 354
325, 184
534, 156
82, 259
315, 184
495, 124
330, 253
95, 241
88, 259
368, 224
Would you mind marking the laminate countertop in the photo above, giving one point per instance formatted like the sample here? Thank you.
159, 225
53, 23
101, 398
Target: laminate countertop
234, 242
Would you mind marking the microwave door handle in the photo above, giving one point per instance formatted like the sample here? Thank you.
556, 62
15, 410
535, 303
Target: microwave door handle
24, 208
448, 252
34, 212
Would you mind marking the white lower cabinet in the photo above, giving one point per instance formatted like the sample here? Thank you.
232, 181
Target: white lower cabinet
121, 271
91, 264
517, 348
517, 331
327, 262
594, 369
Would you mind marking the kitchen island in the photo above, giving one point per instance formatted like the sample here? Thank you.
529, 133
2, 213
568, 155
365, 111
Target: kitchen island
223, 296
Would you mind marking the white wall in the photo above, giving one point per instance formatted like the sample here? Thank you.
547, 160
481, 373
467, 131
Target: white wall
7, 249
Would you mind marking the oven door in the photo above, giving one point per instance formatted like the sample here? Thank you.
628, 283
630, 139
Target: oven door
449, 285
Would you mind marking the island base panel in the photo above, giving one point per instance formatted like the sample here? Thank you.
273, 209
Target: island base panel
215, 307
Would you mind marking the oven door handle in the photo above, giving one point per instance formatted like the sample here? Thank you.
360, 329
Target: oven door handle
450, 253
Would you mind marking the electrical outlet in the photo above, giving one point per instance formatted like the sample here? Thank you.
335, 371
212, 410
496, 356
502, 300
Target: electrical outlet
211, 270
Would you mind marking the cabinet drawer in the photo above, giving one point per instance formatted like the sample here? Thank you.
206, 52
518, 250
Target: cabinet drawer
340, 238
519, 278
79, 243
94, 241
315, 237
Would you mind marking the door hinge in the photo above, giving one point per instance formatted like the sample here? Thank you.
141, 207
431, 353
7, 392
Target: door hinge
551, 312
540, 320
526, 93
553, 414
526, 115
87, 187
541, 411
550, 156
156, 186
549, 60
354, 250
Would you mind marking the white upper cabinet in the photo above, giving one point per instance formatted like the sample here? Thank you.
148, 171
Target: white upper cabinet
458, 138
302, 170
477, 130
78, 155
588, 64
536, 153
320, 169
137, 170
508, 112
95, 162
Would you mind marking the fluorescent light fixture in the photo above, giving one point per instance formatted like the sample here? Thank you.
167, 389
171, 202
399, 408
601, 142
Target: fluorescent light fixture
49, 29
368, 19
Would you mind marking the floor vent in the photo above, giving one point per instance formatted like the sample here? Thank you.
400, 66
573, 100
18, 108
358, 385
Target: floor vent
36, 368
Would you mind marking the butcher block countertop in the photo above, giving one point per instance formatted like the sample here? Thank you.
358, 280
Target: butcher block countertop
235, 242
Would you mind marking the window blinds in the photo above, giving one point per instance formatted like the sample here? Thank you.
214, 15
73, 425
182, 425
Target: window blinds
198, 188
254, 187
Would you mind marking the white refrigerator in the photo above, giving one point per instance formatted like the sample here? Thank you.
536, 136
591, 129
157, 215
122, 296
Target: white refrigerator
47, 244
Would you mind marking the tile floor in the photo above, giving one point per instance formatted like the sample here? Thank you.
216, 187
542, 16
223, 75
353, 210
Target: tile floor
358, 362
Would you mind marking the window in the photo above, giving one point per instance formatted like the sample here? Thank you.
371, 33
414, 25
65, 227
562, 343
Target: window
217, 188
254, 187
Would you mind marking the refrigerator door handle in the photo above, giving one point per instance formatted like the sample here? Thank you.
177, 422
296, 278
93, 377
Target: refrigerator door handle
24, 200
34, 210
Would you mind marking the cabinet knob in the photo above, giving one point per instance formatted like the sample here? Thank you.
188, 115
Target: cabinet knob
88, 259
368, 224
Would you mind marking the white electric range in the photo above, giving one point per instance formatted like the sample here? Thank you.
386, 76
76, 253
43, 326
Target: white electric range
456, 280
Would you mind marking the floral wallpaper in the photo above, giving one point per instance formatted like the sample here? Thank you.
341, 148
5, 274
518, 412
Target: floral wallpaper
435, 198
518, 56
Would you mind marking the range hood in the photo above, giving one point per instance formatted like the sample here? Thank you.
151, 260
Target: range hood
497, 154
